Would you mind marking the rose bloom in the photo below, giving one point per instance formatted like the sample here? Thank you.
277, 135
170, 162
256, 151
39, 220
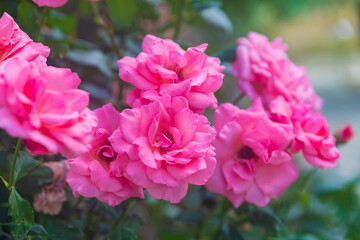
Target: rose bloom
312, 136
310, 132
100, 171
42, 105
14, 42
345, 133
50, 3
53, 195
165, 68
169, 146
252, 162
264, 70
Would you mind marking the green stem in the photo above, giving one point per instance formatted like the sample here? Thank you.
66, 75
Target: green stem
179, 18
121, 218
222, 215
78, 201
12, 180
41, 24
107, 27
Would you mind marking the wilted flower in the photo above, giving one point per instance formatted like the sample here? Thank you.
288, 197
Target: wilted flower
53, 195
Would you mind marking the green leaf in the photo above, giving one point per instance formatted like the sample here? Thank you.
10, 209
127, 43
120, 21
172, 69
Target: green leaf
345, 199
22, 213
5, 182
191, 216
38, 230
32, 183
24, 165
122, 12
123, 234
66, 23
265, 220
134, 221
232, 233
128, 234
27, 17
174, 235
61, 230
227, 54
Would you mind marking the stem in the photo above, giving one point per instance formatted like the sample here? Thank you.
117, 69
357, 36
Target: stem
238, 98
12, 180
41, 24
121, 218
179, 19
79, 200
107, 27
222, 215
89, 217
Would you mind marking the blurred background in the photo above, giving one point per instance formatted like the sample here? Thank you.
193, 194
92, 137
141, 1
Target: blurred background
323, 35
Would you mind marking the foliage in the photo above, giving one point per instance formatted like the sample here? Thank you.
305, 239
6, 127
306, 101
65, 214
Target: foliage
91, 36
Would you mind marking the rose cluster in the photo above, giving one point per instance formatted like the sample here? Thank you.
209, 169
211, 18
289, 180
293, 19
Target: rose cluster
163, 142
254, 146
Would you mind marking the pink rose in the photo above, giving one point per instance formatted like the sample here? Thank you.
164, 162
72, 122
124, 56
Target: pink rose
50, 3
100, 171
312, 136
169, 147
165, 68
51, 198
14, 42
252, 162
264, 70
345, 133
42, 105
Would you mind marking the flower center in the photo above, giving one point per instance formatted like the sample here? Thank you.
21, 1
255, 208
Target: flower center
164, 140
106, 153
246, 153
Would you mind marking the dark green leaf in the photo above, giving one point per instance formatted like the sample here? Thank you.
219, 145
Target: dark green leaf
128, 234
61, 230
38, 230
32, 183
191, 216
134, 221
22, 213
27, 17
228, 54
123, 234
174, 235
10, 6
232, 233
265, 220
122, 12
24, 165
